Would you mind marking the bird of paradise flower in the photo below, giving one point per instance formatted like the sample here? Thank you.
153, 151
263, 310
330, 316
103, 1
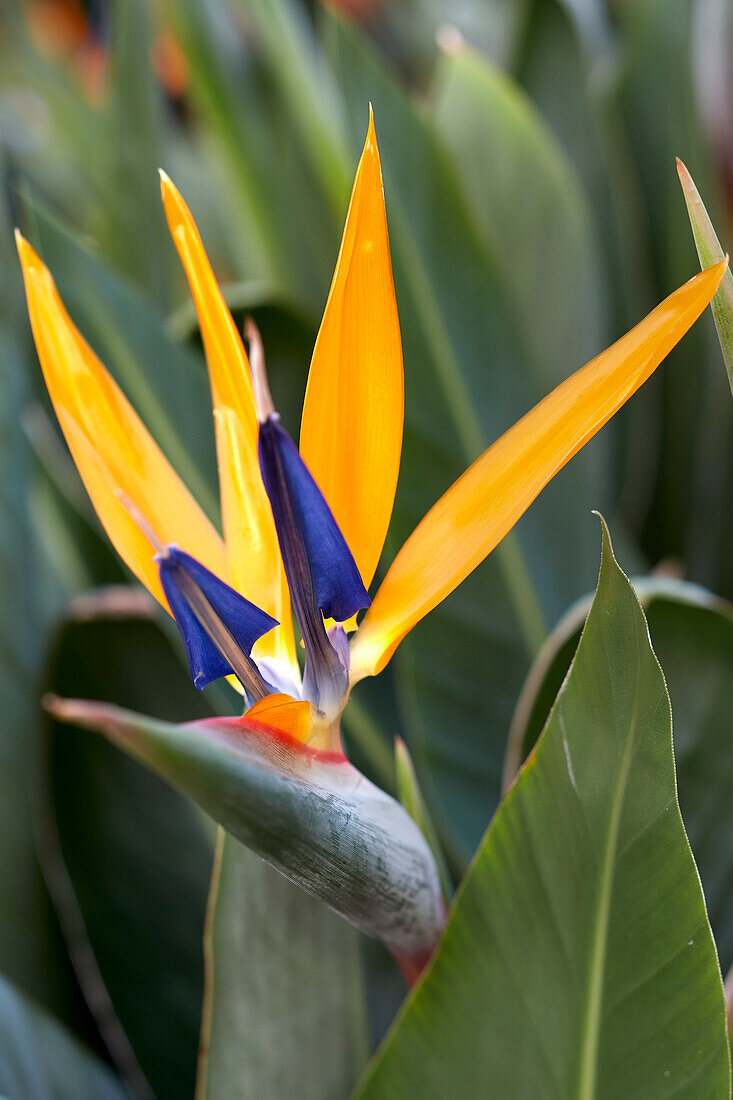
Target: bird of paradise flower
304, 528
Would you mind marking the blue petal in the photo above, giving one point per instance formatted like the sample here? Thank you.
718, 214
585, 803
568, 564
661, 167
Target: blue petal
245, 622
296, 500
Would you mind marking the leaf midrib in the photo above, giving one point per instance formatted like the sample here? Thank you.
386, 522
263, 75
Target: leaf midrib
591, 1023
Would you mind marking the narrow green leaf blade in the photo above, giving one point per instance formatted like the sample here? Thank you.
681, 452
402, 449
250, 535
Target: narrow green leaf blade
709, 250
578, 961
285, 1011
531, 207
411, 797
132, 227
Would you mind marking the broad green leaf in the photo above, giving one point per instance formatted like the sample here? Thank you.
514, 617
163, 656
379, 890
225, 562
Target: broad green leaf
309, 813
127, 859
30, 950
692, 634
529, 204
467, 379
708, 247
285, 1011
569, 86
40, 1060
578, 960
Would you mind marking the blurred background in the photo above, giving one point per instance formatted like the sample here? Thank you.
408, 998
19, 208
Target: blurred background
528, 151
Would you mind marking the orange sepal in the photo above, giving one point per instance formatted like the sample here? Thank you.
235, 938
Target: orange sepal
487, 500
351, 432
253, 552
110, 445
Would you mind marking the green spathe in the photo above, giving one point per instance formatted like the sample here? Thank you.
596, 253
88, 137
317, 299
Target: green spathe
310, 814
578, 961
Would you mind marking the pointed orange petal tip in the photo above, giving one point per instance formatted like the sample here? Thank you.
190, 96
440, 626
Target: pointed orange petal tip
714, 273
709, 279
171, 198
353, 413
371, 149
178, 216
167, 186
29, 258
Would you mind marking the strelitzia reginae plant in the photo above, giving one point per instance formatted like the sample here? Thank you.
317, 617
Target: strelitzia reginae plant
303, 533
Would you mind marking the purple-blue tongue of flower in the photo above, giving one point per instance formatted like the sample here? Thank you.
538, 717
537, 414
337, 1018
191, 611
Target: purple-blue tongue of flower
218, 626
322, 575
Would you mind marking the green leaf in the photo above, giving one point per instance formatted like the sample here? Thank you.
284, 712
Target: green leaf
40, 1060
709, 250
127, 859
285, 1007
578, 959
568, 83
530, 206
309, 813
412, 799
30, 949
692, 634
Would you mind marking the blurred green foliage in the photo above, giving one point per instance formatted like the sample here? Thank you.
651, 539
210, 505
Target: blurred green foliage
535, 214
